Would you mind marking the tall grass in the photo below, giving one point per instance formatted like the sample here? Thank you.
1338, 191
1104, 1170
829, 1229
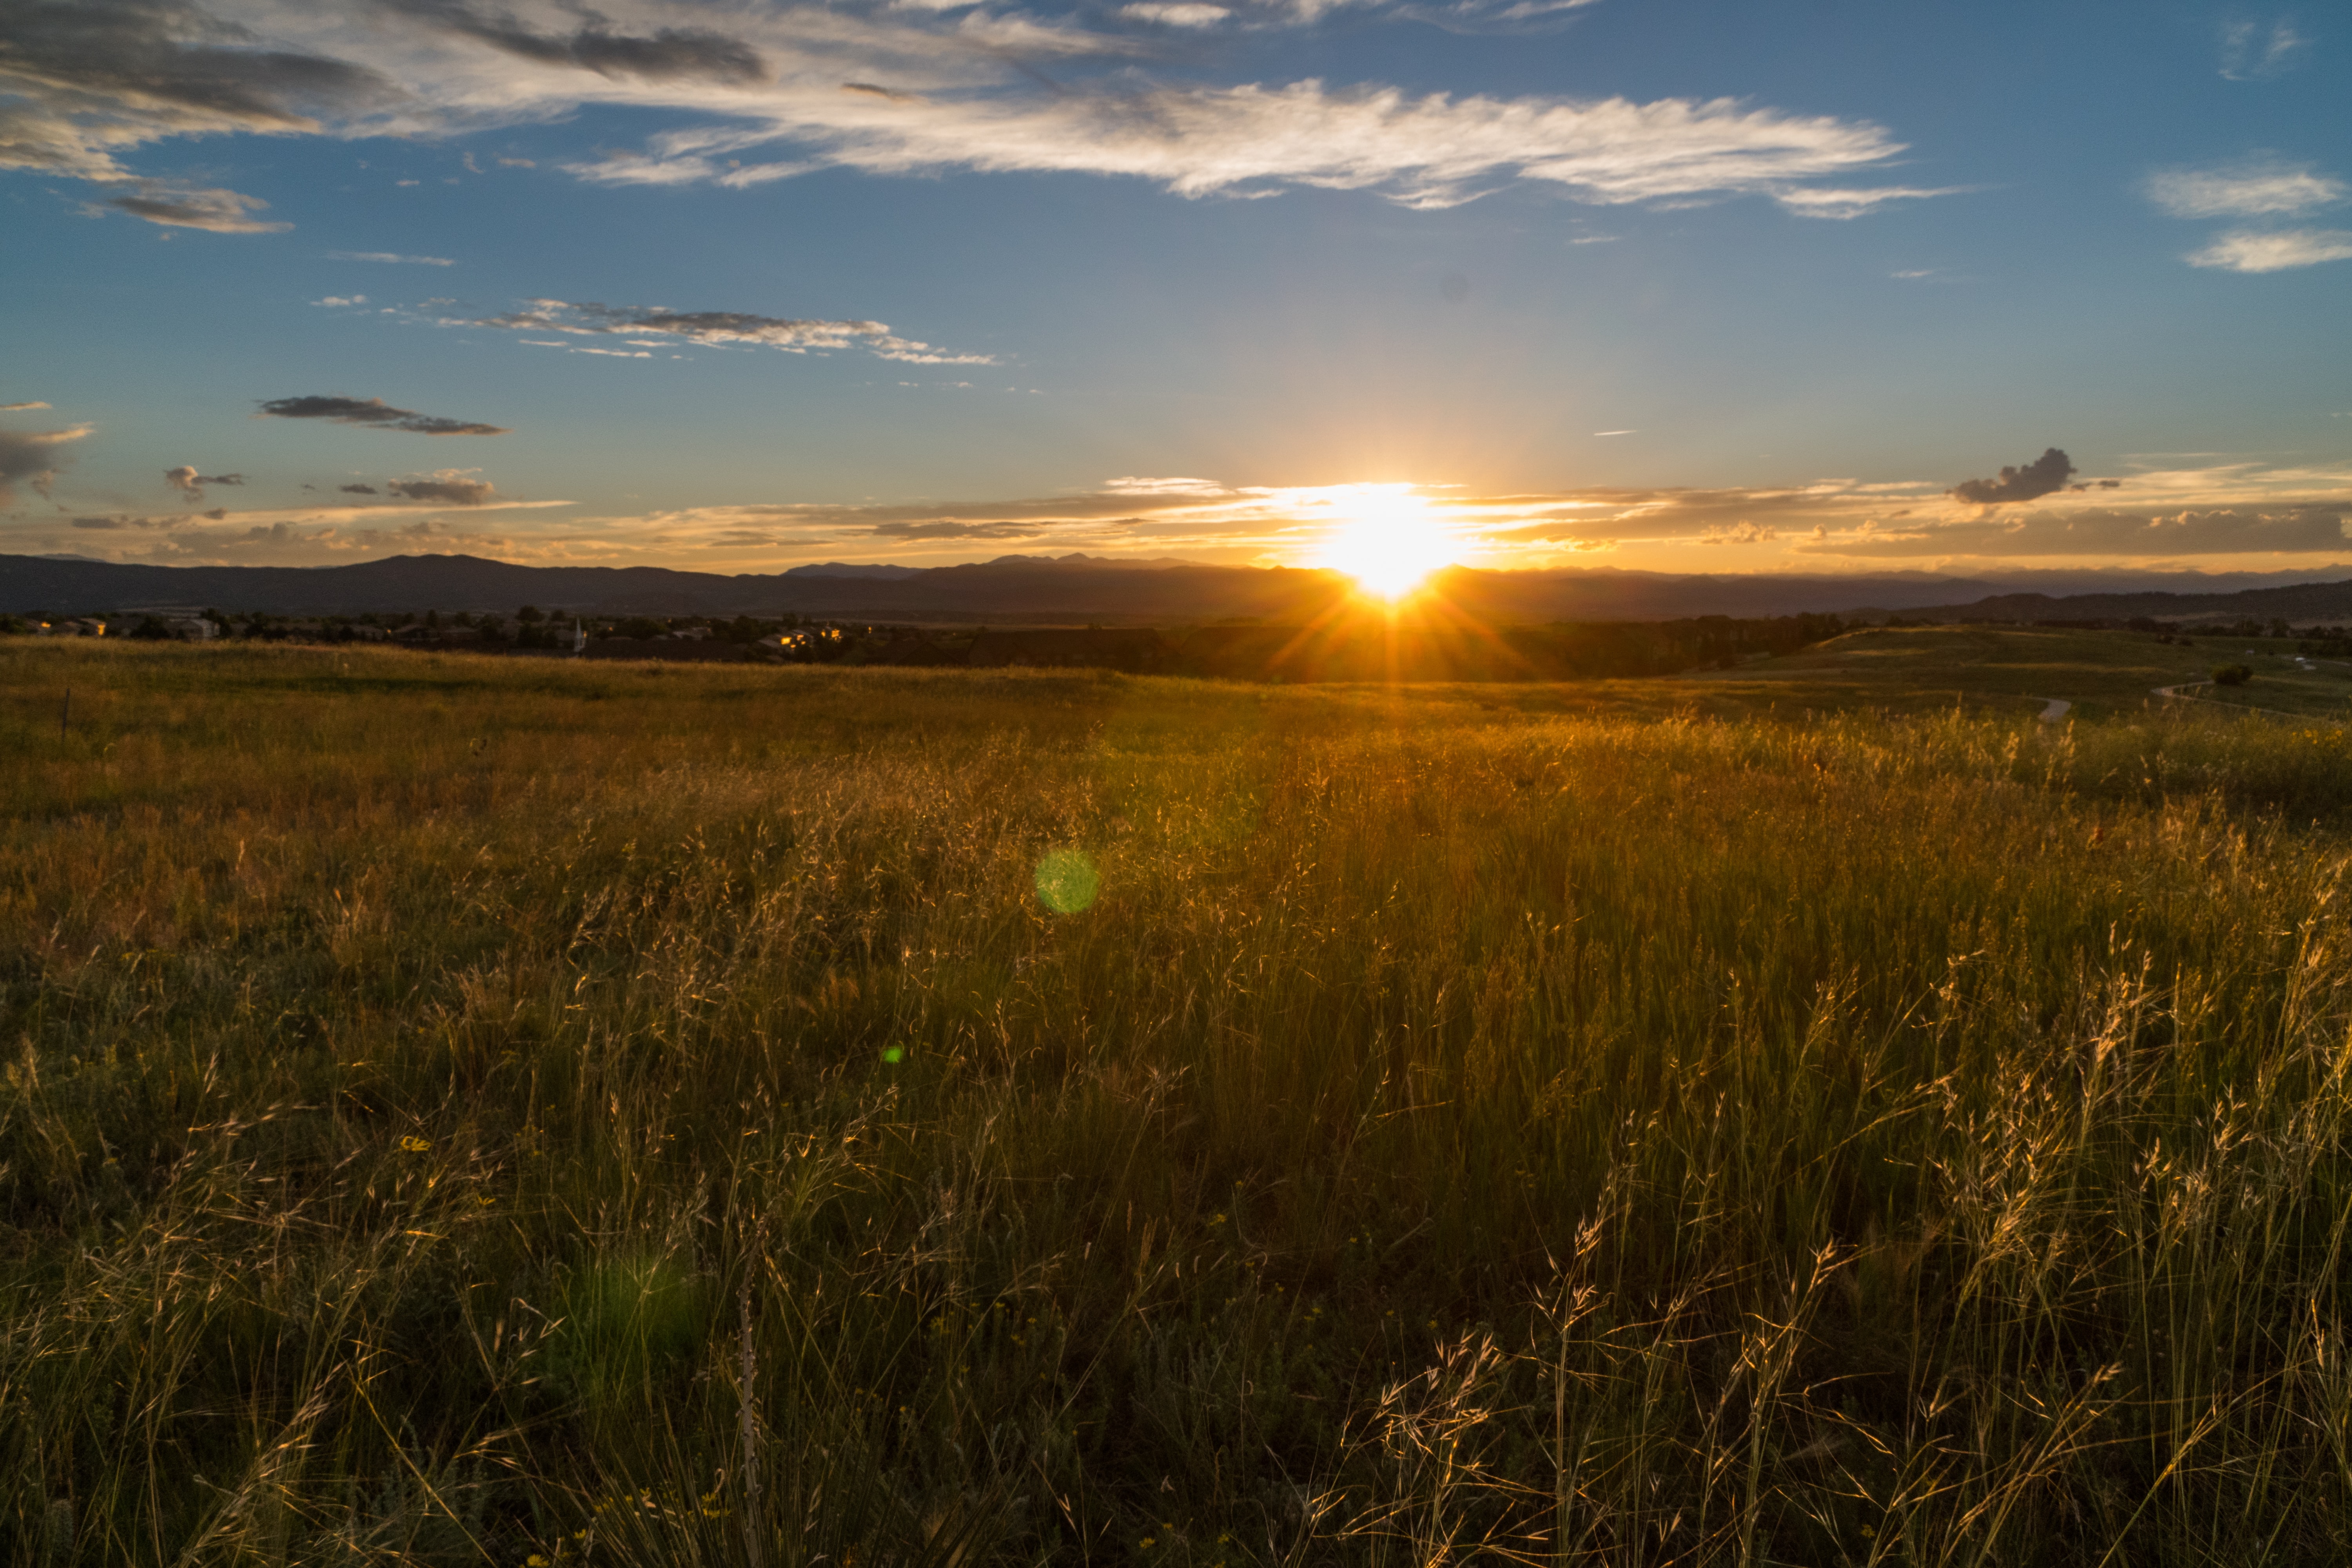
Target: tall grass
464, 1112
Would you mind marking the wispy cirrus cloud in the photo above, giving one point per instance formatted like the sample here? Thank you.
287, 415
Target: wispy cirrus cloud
375, 413
880, 87
1830, 203
389, 257
2253, 51
2261, 187
1427, 151
1177, 13
662, 327
2274, 250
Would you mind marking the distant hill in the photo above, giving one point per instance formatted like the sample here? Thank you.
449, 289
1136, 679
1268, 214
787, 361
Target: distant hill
1015, 586
1032, 589
2303, 602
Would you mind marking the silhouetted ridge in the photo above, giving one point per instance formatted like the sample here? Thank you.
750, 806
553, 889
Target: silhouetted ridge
1077, 588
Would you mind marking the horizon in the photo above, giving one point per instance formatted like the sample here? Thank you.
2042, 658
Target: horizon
2055, 583
1684, 290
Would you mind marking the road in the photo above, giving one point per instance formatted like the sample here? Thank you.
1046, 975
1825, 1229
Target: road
2182, 693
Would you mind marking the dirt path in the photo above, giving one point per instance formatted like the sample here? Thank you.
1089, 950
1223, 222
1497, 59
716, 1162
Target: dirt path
2053, 709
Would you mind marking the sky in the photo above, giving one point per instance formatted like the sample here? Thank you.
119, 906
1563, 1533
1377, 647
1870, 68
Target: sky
1830, 285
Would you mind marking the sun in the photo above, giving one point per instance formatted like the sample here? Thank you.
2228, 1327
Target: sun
1384, 537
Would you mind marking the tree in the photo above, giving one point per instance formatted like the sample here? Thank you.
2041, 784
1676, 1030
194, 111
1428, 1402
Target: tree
2232, 675
529, 615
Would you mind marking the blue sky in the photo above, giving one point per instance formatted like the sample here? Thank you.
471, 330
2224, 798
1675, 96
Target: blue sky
1652, 284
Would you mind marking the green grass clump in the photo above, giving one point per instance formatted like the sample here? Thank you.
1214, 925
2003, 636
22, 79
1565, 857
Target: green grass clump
463, 1111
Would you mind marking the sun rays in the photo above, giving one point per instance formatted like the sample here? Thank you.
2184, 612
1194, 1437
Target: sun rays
1386, 538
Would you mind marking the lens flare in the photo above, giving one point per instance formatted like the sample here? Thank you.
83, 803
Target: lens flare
1067, 881
1384, 537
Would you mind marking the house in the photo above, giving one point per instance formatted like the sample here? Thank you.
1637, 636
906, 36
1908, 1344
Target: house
793, 643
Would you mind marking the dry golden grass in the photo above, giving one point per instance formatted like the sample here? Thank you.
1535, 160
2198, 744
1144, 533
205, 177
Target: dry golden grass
451, 1103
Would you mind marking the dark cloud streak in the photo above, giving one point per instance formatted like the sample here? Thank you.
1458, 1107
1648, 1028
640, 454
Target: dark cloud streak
443, 491
376, 414
669, 55
216, 212
190, 483
2047, 473
81, 81
32, 456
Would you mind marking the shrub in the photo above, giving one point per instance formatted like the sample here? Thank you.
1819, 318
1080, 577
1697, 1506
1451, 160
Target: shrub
2231, 674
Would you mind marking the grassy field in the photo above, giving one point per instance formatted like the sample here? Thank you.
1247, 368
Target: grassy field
1990, 670
463, 1110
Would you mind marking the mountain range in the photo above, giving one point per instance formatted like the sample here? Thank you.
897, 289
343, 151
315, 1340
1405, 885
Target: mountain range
1033, 589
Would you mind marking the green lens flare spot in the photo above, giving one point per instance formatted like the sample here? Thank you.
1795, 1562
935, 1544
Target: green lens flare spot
1067, 881
893, 1054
